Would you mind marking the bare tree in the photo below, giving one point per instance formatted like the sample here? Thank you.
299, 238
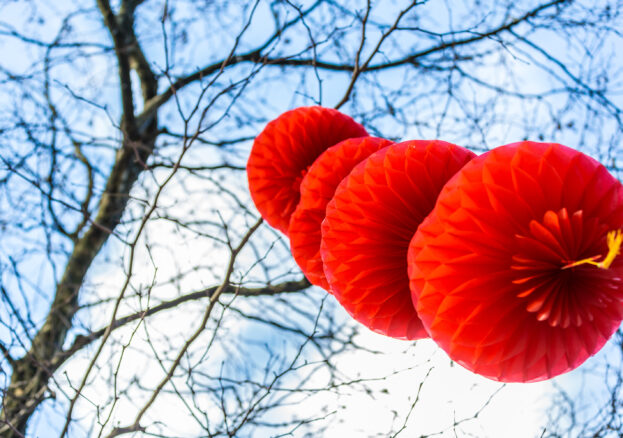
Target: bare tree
137, 280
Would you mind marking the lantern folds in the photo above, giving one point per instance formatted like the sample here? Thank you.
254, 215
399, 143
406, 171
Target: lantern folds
369, 224
317, 189
283, 152
503, 272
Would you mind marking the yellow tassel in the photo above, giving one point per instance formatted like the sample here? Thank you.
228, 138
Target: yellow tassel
614, 241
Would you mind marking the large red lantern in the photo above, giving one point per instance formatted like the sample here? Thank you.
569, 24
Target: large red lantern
283, 152
369, 224
514, 274
317, 189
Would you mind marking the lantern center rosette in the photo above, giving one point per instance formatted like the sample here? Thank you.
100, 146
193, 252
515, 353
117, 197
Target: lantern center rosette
556, 278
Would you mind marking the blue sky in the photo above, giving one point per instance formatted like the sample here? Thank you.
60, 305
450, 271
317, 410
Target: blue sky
449, 392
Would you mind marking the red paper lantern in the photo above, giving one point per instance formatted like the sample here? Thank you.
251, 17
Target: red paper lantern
503, 270
317, 189
369, 224
283, 152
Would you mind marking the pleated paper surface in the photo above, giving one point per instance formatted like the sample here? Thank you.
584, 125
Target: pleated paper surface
487, 267
317, 189
369, 224
283, 152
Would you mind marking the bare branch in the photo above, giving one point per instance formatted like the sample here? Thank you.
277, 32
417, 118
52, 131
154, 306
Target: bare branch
83, 340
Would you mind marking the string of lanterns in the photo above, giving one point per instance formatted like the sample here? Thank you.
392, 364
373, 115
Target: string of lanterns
507, 260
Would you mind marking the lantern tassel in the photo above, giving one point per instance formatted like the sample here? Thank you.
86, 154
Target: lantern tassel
614, 241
